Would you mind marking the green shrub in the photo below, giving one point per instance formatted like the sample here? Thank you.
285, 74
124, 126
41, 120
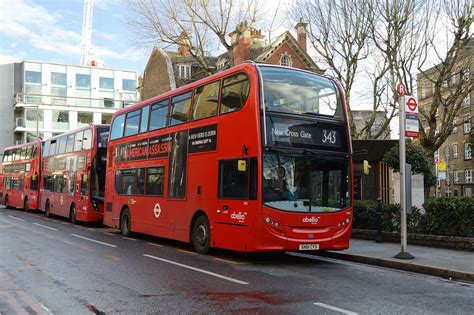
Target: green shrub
449, 216
453, 216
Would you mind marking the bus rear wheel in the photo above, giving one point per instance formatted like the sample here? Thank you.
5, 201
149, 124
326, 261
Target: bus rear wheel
201, 236
73, 214
125, 222
25, 205
47, 209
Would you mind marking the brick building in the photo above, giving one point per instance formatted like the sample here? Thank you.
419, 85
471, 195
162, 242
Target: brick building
167, 70
456, 151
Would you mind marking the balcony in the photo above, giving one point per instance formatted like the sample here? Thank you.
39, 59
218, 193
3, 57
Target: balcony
33, 100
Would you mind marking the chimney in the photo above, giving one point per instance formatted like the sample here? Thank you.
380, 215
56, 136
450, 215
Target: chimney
184, 44
242, 36
301, 32
257, 40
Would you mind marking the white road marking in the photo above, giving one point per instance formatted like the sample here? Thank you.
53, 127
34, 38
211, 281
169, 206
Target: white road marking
16, 218
45, 308
92, 240
45, 226
197, 269
337, 309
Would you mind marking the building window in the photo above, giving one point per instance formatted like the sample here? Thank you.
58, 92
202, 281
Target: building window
455, 151
456, 176
436, 156
445, 83
58, 79
128, 85
423, 92
467, 176
467, 124
455, 125
465, 74
453, 79
83, 81
285, 60
34, 116
446, 152
106, 118
467, 151
466, 102
60, 120
84, 118
433, 87
33, 77
184, 71
106, 84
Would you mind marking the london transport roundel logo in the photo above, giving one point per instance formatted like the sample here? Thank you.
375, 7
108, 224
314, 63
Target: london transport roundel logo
411, 103
157, 210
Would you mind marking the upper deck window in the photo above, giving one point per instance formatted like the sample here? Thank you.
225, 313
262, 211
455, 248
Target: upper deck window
235, 90
131, 123
205, 101
180, 107
87, 140
117, 127
298, 92
158, 115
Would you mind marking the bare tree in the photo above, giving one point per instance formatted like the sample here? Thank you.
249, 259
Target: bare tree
449, 79
339, 32
200, 25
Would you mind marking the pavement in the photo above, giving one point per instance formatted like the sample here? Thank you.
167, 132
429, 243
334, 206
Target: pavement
446, 263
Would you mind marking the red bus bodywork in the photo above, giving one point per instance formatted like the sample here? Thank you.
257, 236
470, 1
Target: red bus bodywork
241, 224
21, 174
73, 172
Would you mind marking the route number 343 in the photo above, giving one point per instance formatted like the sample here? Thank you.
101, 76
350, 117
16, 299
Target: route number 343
329, 136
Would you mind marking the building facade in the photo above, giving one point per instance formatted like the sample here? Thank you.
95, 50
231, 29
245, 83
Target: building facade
167, 70
455, 153
50, 98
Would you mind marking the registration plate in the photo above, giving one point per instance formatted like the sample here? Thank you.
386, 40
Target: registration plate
309, 246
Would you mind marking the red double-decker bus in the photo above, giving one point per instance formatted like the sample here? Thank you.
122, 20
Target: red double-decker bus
73, 174
256, 158
21, 170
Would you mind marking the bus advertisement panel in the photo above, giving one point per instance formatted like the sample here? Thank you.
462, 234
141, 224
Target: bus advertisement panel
73, 174
255, 158
21, 170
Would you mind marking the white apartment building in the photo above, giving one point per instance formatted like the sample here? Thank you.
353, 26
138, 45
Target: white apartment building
52, 98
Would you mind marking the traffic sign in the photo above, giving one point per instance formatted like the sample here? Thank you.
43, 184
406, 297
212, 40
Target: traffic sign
411, 104
401, 89
441, 166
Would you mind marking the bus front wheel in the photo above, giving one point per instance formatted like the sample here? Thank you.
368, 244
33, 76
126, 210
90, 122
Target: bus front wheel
201, 236
125, 222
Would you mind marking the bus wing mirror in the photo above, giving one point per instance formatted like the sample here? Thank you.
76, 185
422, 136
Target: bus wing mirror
366, 167
242, 165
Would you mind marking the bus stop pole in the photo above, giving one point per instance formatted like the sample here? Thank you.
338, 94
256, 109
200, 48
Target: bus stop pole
403, 206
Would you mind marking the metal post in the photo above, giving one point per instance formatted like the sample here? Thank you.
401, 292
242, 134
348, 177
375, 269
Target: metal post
403, 207
378, 235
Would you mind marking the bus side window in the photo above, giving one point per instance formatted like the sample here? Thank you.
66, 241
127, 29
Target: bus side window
155, 178
144, 120
118, 181
129, 182
117, 127
70, 143
158, 115
205, 101
236, 182
84, 185
70, 188
180, 108
235, 90
78, 142
87, 139
34, 182
131, 123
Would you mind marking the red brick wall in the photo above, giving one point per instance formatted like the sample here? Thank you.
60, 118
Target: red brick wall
285, 48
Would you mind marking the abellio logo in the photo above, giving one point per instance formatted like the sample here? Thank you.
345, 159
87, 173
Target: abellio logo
237, 216
312, 220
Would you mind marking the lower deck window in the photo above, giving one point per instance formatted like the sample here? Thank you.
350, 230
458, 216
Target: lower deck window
238, 179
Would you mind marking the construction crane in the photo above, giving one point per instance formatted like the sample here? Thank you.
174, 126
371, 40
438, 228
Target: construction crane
87, 56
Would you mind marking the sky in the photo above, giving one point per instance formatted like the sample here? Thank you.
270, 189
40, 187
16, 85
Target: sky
51, 30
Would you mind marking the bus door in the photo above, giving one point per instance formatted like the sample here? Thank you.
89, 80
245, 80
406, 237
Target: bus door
82, 190
237, 193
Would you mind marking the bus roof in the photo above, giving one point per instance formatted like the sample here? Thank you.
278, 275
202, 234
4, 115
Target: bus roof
76, 130
23, 145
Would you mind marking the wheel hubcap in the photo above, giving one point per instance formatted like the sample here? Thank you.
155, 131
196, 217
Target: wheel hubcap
201, 236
